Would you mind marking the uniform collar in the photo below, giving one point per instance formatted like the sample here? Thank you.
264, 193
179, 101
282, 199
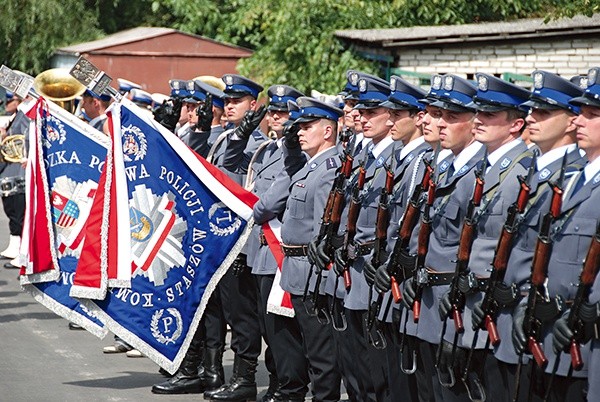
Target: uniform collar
411, 146
591, 169
383, 144
500, 152
553, 155
466, 155
314, 158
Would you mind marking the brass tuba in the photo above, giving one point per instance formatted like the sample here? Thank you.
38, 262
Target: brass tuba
12, 148
59, 86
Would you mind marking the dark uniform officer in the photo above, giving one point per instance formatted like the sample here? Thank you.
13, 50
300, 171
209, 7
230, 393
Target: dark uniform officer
550, 123
301, 223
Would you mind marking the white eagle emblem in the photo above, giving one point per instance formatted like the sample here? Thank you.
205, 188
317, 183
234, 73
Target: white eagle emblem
134, 143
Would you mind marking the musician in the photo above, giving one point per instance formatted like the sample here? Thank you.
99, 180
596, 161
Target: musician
12, 183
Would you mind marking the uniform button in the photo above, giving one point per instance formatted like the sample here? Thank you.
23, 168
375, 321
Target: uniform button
577, 228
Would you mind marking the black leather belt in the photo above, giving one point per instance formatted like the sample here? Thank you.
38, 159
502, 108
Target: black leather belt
428, 277
360, 249
294, 251
470, 283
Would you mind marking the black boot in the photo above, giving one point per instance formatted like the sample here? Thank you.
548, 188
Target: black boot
212, 375
273, 391
186, 380
242, 386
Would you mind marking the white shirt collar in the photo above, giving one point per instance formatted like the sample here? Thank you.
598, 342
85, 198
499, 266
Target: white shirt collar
411, 146
381, 145
591, 169
317, 155
465, 155
97, 119
553, 155
497, 154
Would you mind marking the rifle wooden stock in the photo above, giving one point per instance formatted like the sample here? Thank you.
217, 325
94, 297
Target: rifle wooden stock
465, 243
538, 353
503, 251
459, 326
408, 224
490, 326
541, 258
575, 352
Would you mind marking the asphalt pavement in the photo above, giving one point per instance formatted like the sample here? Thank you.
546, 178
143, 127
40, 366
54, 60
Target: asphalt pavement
42, 360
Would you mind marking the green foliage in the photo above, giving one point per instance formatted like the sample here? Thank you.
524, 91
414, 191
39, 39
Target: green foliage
574, 7
32, 29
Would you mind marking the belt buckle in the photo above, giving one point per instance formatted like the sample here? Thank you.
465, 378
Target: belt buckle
422, 276
472, 281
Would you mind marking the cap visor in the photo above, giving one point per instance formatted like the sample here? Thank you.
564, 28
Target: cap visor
585, 101
537, 104
306, 119
452, 107
396, 106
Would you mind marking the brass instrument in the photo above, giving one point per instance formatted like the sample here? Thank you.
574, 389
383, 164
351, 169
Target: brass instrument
59, 86
211, 80
12, 148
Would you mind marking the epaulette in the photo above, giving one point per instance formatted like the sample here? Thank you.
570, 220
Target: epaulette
331, 163
258, 135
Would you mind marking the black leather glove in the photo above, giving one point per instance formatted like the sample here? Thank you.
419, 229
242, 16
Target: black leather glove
519, 337
369, 272
477, 316
205, 115
239, 265
250, 121
409, 293
290, 135
445, 306
317, 255
168, 113
383, 280
339, 263
561, 335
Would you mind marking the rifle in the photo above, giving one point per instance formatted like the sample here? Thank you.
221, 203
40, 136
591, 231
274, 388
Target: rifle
532, 325
423, 242
575, 321
489, 304
467, 236
353, 211
381, 224
409, 221
330, 220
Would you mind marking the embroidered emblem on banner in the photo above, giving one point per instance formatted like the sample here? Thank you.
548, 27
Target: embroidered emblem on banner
162, 324
223, 222
55, 131
64, 210
134, 143
156, 235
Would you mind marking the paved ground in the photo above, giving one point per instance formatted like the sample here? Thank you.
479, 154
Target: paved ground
42, 360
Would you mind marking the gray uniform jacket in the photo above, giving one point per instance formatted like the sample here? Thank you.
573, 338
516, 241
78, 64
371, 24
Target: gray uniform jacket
574, 230
450, 206
518, 269
302, 217
500, 190
273, 170
358, 296
201, 141
409, 172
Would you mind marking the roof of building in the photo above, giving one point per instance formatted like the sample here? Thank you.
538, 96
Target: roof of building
488, 31
133, 35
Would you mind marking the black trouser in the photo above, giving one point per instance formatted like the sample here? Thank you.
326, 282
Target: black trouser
508, 379
263, 286
239, 303
403, 387
318, 346
285, 346
14, 208
213, 323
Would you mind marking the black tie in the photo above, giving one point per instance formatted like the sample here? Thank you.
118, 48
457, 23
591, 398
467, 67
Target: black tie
580, 182
358, 148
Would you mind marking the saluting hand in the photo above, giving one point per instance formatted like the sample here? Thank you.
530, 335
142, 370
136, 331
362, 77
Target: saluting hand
250, 122
205, 114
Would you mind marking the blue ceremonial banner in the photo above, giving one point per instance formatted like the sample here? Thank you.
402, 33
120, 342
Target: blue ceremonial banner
185, 223
68, 156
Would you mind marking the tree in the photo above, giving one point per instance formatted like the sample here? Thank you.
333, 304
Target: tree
31, 30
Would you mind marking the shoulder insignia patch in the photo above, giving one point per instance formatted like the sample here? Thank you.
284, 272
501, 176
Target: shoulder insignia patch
331, 163
258, 135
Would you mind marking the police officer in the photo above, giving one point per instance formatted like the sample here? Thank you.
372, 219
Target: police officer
270, 172
573, 233
301, 222
579, 204
551, 126
498, 125
95, 107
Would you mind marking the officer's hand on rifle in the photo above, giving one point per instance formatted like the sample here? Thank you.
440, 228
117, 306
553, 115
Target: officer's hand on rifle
445, 306
339, 263
317, 255
290, 135
561, 334
205, 114
369, 272
409, 293
168, 113
383, 281
250, 122
477, 316
519, 337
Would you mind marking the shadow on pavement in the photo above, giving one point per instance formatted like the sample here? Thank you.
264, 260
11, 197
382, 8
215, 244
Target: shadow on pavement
28, 316
129, 380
